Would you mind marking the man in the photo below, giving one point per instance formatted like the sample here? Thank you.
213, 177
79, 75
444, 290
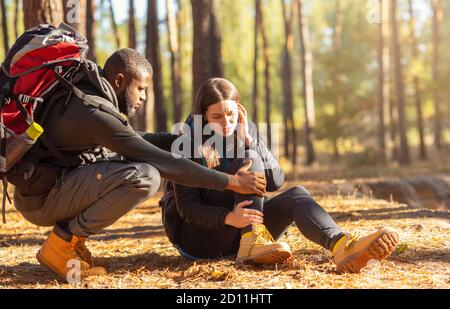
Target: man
97, 190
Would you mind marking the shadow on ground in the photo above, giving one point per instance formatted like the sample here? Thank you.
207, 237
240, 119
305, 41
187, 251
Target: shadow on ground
404, 212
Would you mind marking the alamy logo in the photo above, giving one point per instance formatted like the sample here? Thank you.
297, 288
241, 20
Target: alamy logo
74, 273
73, 11
373, 12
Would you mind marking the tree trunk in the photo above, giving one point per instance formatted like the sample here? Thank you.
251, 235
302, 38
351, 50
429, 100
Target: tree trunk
255, 92
417, 90
437, 23
404, 157
38, 12
181, 24
207, 54
215, 40
393, 129
307, 83
284, 73
131, 26
201, 55
4, 26
154, 55
290, 134
114, 25
75, 14
383, 77
90, 30
267, 75
338, 101
16, 18
175, 63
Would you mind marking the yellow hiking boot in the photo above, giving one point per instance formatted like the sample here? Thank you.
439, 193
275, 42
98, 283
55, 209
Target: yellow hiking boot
64, 258
352, 252
259, 247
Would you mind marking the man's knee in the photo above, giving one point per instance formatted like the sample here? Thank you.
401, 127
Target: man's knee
147, 179
38, 218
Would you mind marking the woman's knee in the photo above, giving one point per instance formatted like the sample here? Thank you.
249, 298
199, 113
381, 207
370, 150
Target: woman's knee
298, 191
297, 200
257, 162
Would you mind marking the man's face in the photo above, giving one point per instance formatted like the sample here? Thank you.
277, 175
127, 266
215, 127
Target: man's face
133, 92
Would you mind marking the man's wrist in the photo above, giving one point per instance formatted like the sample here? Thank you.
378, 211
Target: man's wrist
231, 182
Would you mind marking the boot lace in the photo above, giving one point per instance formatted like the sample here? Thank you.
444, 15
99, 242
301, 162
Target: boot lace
80, 250
263, 237
352, 239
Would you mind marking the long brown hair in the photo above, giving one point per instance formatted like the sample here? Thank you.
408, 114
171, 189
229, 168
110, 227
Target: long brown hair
214, 90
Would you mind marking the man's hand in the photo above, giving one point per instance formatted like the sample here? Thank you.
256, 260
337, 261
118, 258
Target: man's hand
246, 182
241, 217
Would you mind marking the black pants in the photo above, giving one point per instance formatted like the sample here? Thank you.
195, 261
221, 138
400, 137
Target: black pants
294, 205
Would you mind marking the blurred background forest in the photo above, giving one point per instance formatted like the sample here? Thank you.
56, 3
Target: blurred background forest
361, 82
356, 94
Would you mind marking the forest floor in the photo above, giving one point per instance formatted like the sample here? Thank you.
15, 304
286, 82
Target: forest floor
140, 255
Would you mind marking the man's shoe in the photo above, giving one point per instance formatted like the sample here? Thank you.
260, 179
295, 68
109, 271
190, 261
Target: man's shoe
64, 258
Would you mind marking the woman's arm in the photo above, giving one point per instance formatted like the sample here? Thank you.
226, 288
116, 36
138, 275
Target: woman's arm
191, 208
273, 171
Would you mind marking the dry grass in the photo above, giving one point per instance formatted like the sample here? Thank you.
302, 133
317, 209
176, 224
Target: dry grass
140, 255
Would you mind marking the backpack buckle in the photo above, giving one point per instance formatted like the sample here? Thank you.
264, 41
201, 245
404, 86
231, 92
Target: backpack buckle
27, 99
59, 69
4, 93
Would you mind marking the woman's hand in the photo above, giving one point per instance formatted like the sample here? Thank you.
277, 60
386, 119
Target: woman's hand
243, 128
241, 217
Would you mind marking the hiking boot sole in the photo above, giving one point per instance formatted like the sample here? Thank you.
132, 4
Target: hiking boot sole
277, 256
379, 249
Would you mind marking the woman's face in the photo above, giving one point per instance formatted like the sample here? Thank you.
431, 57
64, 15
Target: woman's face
223, 117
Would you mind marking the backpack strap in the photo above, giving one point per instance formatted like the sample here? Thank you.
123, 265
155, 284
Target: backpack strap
87, 100
5, 90
3, 164
44, 139
5, 196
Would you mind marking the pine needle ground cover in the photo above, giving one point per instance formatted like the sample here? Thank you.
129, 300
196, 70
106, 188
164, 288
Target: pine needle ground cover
140, 255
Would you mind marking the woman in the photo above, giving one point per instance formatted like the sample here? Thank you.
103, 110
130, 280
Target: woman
205, 224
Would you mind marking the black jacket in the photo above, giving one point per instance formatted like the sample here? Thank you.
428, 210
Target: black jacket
75, 128
207, 209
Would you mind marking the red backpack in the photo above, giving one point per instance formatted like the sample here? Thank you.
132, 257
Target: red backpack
29, 70
41, 59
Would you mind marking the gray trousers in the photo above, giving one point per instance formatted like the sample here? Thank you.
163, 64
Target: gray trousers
93, 197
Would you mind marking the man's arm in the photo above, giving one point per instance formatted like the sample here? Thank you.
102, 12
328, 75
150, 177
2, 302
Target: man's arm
109, 132
162, 140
